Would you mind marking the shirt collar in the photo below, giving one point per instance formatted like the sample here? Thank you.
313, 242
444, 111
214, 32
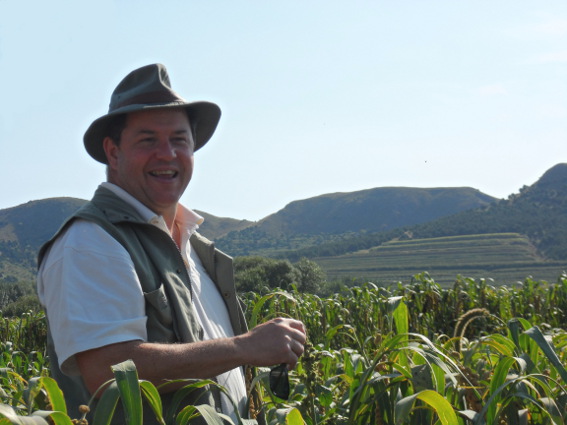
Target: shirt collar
185, 218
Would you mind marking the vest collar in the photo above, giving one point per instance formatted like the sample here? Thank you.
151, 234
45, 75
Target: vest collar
205, 249
114, 208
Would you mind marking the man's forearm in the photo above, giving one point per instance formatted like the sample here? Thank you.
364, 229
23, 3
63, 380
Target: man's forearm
274, 342
158, 363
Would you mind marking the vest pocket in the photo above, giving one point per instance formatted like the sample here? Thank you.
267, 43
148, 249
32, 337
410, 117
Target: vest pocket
160, 316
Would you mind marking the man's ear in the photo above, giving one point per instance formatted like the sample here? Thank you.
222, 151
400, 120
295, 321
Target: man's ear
110, 150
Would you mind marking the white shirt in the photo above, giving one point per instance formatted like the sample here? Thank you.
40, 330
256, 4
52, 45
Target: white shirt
87, 276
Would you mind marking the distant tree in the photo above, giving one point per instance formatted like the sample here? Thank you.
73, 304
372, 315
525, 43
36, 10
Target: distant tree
311, 276
11, 291
260, 274
24, 304
251, 280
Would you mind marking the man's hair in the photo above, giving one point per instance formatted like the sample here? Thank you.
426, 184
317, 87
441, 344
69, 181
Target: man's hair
115, 127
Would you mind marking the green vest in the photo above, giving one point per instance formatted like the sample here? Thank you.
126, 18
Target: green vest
166, 285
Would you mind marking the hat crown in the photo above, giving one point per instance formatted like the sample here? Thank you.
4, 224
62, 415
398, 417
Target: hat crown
149, 88
144, 86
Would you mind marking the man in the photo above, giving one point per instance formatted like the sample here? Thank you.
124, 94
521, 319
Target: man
128, 277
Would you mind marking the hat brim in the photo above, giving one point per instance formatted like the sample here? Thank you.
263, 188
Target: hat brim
203, 118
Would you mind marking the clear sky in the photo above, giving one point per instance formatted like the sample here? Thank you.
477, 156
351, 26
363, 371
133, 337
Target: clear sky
318, 96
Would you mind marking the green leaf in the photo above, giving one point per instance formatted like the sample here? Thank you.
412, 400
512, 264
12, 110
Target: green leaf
31, 392
294, 417
58, 418
334, 330
500, 343
106, 405
548, 350
153, 398
516, 327
401, 320
130, 394
257, 308
442, 407
186, 415
289, 416
181, 393
444, 410
498, 379
497, 398
260, 304
54, 393
208, 413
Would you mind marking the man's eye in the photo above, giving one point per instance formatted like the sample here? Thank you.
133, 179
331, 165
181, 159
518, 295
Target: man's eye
182, 141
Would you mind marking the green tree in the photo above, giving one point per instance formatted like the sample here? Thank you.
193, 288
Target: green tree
25, 304
311, 277
261, 274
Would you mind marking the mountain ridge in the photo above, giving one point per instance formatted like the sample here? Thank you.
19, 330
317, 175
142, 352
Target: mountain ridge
330, 216
538, 211
339, 206
329, 223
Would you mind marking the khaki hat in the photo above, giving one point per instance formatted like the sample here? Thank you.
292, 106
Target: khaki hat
149, 88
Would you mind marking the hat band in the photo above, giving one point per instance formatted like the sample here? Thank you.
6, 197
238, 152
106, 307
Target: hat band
148, 98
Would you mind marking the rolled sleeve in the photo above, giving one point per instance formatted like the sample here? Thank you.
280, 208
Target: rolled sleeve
91, 293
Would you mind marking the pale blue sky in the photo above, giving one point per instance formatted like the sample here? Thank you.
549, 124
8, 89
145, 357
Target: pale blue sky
317, 96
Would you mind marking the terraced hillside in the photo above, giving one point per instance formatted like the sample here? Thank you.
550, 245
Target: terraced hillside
504, 257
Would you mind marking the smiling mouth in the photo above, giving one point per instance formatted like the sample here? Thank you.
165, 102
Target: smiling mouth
168, 174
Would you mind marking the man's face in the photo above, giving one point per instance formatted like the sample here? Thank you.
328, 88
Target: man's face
154, 159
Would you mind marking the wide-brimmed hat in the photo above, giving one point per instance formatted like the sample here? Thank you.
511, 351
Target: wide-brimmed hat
149, 88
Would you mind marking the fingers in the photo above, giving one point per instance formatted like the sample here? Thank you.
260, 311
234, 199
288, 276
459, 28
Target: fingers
296, 328
277, 341
302, 336
297, 348
294, 352
296, 337
297, 341
297, 325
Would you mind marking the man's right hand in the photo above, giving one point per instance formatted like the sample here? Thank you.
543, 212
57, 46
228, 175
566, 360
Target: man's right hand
277, 341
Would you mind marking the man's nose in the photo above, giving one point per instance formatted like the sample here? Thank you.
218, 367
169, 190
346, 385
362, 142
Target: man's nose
165, 149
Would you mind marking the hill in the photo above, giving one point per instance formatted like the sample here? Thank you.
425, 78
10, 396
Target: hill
33, 223
337, 216
302, 223
215, 227
504, 257
337, 224
538, 211
24, 228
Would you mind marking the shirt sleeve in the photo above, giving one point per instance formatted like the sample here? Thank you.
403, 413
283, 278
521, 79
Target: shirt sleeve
91, 293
